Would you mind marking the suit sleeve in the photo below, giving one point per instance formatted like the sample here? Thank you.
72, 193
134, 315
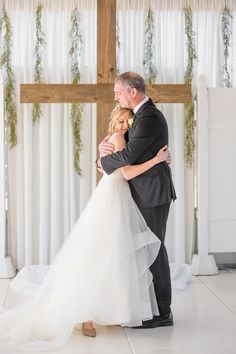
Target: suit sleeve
145, 133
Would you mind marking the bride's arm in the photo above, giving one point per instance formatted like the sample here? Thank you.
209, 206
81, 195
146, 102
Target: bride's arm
131, 171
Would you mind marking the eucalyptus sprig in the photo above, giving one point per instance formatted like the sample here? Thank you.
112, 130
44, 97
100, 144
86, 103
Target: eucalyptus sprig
38, 69
226, 30
76, 108
117, 47
150, 71
192, 56
189, 126
189, 119
9, 82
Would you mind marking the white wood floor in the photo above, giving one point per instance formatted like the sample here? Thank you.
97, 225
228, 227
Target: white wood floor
205, 323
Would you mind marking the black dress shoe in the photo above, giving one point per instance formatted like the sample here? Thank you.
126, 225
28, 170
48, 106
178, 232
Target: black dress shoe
158, 321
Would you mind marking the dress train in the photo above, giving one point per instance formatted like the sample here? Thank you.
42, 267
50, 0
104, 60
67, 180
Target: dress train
101, 273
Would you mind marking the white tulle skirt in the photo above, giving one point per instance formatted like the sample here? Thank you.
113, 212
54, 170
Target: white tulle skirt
101, 273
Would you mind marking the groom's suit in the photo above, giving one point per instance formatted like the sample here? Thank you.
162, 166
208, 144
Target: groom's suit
152, 191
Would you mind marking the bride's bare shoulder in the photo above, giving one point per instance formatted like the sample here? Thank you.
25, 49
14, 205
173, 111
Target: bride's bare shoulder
117, 136
118, 140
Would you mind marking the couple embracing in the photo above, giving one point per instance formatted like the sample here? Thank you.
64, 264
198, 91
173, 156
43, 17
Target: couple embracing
113, 267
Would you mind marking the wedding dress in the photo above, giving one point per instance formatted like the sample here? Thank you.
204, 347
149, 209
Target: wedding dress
101, 273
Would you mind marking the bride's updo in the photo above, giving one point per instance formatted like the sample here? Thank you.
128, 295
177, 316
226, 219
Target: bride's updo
116, 113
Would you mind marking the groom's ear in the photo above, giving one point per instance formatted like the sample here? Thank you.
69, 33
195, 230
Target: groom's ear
133, 92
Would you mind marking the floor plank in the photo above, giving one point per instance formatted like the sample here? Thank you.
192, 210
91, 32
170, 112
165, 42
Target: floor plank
4, 287
205, 322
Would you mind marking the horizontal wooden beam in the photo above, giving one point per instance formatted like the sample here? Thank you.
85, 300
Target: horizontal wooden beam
66, 93
98, 93
169, 93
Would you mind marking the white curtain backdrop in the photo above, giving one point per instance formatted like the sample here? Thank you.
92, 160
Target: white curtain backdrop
46, 196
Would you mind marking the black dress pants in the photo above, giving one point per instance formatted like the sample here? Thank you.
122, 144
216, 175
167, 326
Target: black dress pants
156, 219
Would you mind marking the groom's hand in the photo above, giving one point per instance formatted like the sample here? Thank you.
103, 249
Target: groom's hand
105, 148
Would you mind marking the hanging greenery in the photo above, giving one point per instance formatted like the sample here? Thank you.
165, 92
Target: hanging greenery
189, 121
9, 86
38, 70
76, 108
226, 29
150, 71
117, 47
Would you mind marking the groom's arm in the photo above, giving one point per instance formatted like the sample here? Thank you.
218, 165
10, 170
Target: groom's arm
146, 132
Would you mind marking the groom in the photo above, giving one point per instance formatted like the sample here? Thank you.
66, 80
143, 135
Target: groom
152, 191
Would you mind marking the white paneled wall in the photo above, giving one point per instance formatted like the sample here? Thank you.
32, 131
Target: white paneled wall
222, 169
216, 175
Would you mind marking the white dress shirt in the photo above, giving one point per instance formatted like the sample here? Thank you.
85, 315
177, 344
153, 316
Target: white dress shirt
136, 108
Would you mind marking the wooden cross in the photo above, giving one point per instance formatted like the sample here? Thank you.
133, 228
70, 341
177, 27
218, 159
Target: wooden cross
102, 92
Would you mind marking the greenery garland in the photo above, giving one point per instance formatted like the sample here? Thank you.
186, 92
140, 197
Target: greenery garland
38, 70
189, 121
226, 25
76, 108
117, 47
10, 92
150, 71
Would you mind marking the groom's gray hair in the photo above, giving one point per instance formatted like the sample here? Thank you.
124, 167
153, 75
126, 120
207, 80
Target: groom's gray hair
132, 80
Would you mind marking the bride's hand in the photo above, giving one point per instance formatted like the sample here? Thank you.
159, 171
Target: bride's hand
105, 148
163, 155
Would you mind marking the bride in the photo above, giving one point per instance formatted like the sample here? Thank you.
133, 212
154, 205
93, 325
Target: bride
101, 273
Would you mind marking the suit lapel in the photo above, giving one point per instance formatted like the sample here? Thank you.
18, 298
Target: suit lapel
138, 115
145, 105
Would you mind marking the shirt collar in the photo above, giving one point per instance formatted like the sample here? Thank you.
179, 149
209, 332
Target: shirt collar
136, 108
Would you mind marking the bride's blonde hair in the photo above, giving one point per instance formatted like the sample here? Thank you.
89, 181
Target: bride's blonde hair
115, 114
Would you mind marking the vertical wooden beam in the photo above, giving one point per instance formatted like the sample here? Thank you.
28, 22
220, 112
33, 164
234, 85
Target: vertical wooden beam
106, 41
106, 58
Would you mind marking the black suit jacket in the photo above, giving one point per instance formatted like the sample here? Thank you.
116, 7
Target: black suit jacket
148, 134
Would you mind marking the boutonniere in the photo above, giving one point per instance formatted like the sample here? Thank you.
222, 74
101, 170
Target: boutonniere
130, 122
